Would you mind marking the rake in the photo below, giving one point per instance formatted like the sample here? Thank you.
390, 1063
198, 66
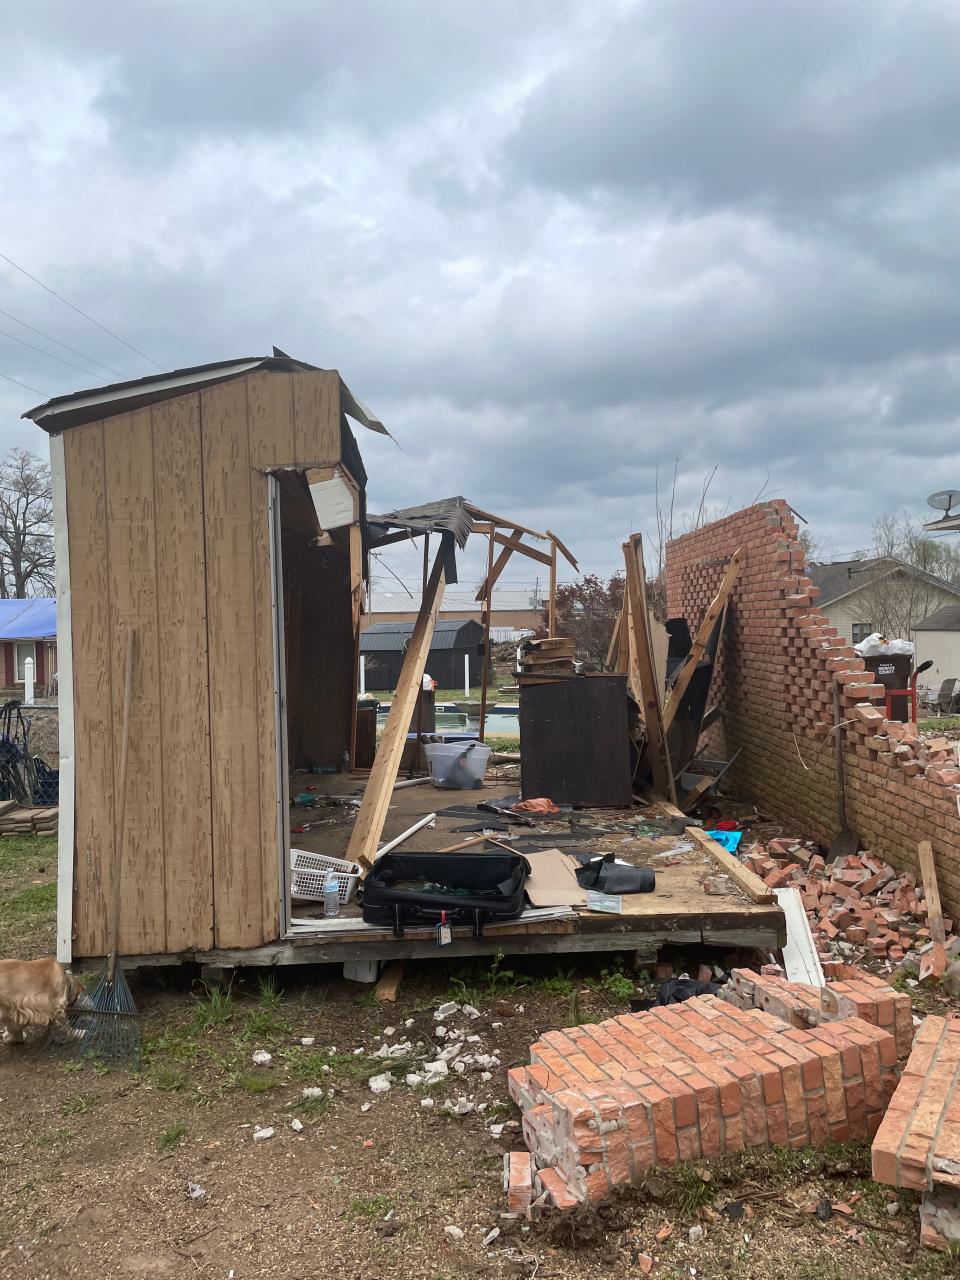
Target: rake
104, 1024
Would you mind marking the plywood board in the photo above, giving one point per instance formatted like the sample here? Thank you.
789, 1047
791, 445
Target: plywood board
931, 891
236, 726
132, 588
316, 418
93, 728
183, 665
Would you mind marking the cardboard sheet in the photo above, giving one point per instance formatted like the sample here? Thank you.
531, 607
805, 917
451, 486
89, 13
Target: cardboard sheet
553, 879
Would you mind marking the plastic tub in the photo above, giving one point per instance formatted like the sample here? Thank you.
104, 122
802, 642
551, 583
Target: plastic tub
457, 766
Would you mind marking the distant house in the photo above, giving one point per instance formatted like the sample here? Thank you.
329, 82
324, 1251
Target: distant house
383, 645
937, 639
28, 629
515, 612
881, 594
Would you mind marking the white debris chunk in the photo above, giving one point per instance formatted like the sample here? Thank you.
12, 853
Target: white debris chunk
695, 1234
495, 1026
445, 1010
312, 1091
398, 1050
462, 1106
470, 1011
381, 1084
454, 1233
365, 1106
195, 1191
413, 1079
495, 1130
261, 1135
308, 1041
409, 1023
485, 1076
389, 1031
296, 1125
473, 1039
426, 1102
459, 1066
358, 1053
260, 1057
490, 1236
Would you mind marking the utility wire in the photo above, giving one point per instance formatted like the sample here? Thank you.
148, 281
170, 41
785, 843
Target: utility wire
23, 384
49, 354
61, 298
56, 341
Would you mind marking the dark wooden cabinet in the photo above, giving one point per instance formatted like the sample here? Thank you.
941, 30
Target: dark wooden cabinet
574, 744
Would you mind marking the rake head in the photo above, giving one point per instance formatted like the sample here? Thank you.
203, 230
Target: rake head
102, 1025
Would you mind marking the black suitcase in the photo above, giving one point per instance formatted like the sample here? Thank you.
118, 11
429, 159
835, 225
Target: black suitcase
416, 890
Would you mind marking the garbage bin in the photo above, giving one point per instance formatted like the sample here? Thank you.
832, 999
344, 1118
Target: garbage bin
893, 672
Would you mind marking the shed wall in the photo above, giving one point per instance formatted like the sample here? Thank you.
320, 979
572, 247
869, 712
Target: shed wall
167, 511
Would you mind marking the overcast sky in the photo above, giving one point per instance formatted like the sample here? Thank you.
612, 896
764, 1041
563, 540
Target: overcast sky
551, 243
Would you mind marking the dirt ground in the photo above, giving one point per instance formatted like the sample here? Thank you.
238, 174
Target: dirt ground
96, 1164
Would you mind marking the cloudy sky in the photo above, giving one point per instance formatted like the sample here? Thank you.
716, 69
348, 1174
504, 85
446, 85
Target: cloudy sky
554, 244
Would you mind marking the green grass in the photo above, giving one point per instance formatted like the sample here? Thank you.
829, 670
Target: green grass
168, 1078
947, 722
75, 1104
37, 900
256, 1082
216, 1008
171, 1137
373, 1208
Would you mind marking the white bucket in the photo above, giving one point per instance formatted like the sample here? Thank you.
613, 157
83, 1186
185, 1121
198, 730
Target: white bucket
457, 766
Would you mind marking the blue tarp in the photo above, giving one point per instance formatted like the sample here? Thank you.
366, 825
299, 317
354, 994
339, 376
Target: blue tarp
729, 839
28, 619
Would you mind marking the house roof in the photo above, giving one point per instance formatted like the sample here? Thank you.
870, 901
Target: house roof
946, 618
842, 577
120, 397
34, 619
390, 637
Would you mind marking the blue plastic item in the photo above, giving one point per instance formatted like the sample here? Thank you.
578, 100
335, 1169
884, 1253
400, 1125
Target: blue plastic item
729, 839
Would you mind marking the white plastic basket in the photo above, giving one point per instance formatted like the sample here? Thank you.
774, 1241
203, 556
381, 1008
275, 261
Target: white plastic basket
310, 871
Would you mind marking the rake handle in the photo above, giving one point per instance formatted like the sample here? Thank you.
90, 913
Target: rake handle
121, 809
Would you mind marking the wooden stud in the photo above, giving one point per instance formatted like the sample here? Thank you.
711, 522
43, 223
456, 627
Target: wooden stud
356, 591
515, 545
698, 648
389, 984
931, 891
649, 693
552, 602
485, 668
564, 551
499, 565
742, 876
613, 652
372, 814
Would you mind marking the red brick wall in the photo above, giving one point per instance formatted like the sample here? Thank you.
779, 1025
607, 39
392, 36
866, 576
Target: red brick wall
774, 681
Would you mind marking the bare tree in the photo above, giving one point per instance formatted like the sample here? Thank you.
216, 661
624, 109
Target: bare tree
26, 526
896, 599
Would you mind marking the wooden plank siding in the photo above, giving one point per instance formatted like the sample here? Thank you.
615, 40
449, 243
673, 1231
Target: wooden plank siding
168, 528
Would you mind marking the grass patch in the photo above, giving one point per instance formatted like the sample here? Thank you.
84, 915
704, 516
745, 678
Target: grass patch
613, 983
312, 1109
946, 722
75, 1104
39, 899
171, 1137
268, 993
372, 1208
562, 983
215, 1008
169, 1079
256, 1082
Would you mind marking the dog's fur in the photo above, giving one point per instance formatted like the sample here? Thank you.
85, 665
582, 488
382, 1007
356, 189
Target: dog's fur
33, 993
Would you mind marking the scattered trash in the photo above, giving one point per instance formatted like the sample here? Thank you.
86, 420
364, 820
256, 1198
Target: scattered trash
195, 1191
382, 1083
413, 1079
308, 1041
389, 1031
495, 1130
261, 1135
426, 1102
365, 1106
260, 1058
441, 1033
296, 1125
445, 1010
312, 1091
470, 1011
695, 1234
491, 1236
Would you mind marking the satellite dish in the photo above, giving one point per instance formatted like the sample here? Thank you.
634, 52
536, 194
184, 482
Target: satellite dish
944, 499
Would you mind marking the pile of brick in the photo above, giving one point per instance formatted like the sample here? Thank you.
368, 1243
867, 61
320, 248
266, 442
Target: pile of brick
604, 1103
849, 993
918, 1143
858, 900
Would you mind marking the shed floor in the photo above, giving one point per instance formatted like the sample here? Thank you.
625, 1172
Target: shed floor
678, 911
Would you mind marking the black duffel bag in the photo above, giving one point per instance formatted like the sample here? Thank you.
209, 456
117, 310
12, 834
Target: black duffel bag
420, 890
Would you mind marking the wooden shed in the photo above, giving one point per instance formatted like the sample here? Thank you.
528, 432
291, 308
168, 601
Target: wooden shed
219, 512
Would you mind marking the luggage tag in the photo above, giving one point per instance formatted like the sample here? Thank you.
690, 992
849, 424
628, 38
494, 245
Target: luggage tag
444, 932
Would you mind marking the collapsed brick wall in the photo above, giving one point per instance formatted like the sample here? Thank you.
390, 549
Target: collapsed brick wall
774, 682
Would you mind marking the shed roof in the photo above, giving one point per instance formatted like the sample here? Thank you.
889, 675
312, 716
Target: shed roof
390, 637
446, 514
34, 619
946, 618
120, 397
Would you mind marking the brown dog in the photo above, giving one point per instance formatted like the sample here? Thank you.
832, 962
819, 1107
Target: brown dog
33, 993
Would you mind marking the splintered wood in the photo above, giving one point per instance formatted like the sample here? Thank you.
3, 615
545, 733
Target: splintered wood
550, 657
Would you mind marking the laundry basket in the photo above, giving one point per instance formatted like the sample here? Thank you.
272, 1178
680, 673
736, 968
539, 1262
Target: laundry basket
310, 871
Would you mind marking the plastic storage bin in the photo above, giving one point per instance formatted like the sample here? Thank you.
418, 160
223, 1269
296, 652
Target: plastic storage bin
457, 766
310, 870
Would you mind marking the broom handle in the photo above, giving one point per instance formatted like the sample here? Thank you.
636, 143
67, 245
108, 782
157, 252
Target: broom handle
122, 809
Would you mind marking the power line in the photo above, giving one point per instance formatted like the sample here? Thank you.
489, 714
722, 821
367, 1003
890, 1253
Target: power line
57, 342
33, 347
62, 299
23, 384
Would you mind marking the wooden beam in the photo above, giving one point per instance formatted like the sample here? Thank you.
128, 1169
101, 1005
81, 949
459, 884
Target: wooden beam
372, 814
403, 535
639, 630
386, 989
931, 891
741, 876
498, 567
567, 554
485, 667
356, 594
478, 513
613, 652
698, 648
552, 602
516, 545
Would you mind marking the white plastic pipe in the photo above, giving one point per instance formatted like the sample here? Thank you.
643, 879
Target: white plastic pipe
428, 821
466, 675
28, 681
363, 676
